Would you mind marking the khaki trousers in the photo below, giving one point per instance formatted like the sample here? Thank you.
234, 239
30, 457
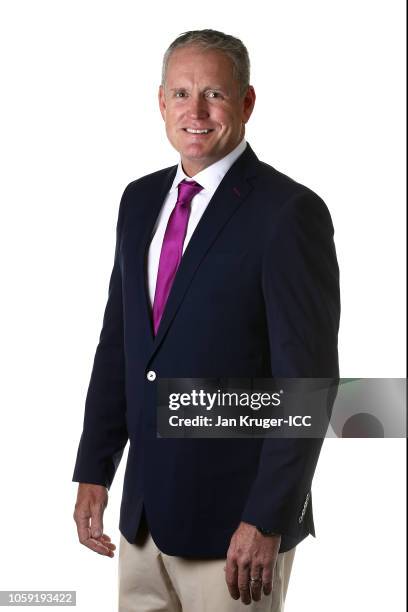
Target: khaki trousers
151, 581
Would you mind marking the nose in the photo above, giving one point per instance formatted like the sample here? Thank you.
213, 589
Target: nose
198, 107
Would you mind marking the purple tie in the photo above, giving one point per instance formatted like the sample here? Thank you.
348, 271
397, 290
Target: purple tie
172, 247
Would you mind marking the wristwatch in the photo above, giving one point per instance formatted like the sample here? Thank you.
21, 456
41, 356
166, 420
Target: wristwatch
267, 532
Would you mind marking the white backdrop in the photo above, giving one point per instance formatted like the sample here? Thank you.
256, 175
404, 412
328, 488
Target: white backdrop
79, 121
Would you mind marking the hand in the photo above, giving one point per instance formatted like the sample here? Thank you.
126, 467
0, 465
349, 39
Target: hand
91, 502
251, 555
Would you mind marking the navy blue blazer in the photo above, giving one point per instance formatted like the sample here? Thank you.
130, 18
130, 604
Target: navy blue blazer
256, 295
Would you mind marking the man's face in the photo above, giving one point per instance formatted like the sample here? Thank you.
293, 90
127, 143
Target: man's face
201, 93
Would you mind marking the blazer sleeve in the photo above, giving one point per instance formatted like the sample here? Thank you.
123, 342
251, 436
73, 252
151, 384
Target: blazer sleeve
104, 435
302, 302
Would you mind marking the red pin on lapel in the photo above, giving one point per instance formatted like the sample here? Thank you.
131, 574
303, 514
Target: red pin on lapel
236, 191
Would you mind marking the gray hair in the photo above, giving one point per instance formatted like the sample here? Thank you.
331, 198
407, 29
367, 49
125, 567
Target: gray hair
233, 47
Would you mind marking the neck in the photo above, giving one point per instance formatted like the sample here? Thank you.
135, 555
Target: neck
191, 167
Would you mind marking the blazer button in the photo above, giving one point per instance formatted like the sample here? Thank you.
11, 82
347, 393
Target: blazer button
151, 375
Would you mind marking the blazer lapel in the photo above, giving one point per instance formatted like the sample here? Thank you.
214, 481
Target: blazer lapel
230, 194
153, 207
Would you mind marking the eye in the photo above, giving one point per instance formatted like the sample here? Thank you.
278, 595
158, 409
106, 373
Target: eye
179, 94
213, 94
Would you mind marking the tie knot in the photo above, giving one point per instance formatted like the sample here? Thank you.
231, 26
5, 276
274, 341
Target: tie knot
187, 190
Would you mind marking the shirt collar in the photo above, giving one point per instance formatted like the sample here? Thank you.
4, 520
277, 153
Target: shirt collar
211, 177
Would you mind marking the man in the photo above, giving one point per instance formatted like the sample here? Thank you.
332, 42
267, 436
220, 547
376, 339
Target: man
224, 267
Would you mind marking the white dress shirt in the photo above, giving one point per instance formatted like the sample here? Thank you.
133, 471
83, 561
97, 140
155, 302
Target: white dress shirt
209, 179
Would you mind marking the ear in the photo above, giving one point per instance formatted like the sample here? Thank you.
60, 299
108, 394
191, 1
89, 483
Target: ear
248, 103
162, 102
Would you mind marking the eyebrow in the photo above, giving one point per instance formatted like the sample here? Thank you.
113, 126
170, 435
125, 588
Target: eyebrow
214, 87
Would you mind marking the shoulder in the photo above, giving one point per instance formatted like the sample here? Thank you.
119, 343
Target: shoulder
136, 190
148, 181
282, 196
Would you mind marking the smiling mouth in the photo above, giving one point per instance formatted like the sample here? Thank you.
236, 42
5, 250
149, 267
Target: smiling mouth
195, 132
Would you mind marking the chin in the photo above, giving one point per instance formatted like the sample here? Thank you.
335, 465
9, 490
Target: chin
195, 152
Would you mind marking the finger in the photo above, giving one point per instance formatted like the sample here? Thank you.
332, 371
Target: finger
101, 546
231, 578
243, 582
98, 547
106, 543
96, 520
82, 524
267, 578
106, 537
256, 585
